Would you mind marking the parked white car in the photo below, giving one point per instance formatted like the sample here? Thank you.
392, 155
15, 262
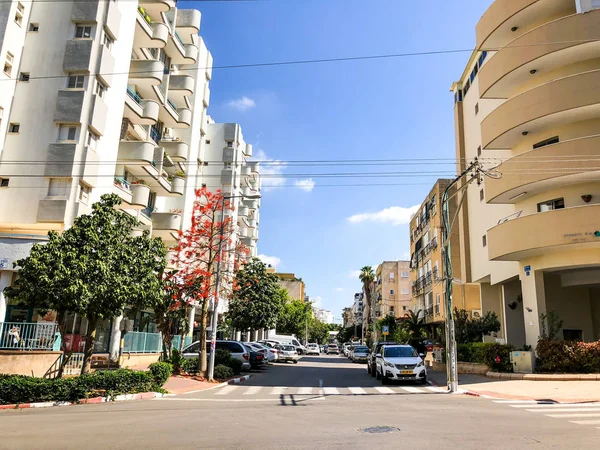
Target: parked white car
237, 349
400, 362
288, 353
313, 349
269, 353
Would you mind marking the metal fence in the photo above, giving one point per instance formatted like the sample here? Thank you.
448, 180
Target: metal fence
141, 342
29, 336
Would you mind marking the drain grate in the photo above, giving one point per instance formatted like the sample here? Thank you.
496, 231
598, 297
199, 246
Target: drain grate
379, 429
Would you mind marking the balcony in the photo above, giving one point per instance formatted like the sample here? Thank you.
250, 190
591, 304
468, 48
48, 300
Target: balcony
138, 110
137, 154
180, 52
544, 168
180, 86
140, 194
565, 100
206, 98
77, 55
155, 7
146, 72
227, 177
187, 23
576, 39
177, 150
107, 66
149, 34
560, 229
243, 211
166, 225
174, 117
243, 232
250, 223
495, 27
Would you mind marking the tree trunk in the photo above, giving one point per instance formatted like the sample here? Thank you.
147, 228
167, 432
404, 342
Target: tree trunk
89, 344
202, 360
63, 345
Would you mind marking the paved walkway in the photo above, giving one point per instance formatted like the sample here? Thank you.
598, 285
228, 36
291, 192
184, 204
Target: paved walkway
182, 385
558, 391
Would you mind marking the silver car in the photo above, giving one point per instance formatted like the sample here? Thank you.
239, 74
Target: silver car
360, 353
237, 349
288, 353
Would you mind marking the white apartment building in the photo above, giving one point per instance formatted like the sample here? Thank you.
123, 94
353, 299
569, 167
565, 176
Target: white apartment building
323, 315
357, 309
107, 97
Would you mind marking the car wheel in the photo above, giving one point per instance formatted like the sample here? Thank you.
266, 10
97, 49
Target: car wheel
377, 375
373, 371
295, 362
384, 379
423, 381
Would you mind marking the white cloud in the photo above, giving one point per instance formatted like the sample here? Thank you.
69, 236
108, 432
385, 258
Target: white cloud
242, 104
270, 260
396, 215
317, 301
269, 172
306, 185
340, 289
354, 274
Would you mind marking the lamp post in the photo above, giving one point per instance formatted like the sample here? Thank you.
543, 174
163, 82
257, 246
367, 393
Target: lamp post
215, 316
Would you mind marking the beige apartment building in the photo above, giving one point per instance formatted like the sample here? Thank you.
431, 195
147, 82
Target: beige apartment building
427, 270
294, 286
392, 289
528, 104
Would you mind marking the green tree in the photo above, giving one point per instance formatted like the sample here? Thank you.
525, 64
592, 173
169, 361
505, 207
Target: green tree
293, 316
256, 303
390, 322
95, 268
472, 330
414, 325
318, 331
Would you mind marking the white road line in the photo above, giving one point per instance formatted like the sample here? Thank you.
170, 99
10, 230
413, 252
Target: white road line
227, 390
559, 405
253, 390
305, 391
561, 410
330, 391
436, 389
357, 391
412, 390
384, 390
278, 390
585, 422
572, 416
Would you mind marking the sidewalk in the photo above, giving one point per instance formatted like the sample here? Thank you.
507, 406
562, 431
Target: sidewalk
183, 385
558, 391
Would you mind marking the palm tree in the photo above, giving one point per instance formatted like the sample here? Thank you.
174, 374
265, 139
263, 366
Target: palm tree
414, 324
367, 278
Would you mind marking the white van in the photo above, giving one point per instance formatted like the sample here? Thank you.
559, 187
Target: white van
286, 339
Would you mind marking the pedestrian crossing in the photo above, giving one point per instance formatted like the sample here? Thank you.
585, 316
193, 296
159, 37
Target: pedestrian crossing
248, 391
576, 413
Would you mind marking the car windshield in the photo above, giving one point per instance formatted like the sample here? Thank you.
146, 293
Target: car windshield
360, 349
289, 348
399, 352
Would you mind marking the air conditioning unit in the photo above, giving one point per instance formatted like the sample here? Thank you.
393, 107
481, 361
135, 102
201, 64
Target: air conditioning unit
476, 314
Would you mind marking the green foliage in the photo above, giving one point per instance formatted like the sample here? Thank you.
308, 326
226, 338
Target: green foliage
21, 389
390, 322
223, 372
550, 324
235, 365
473, 330
190, 366
161, 371
318, 331
495, 356
256, 303
222, 356
401, 336
414, 326
177, 361
567, 357
293, 316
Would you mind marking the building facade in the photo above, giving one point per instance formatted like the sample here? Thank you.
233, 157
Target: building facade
323, 315
357, 309
293, 285
529, 110
392, 289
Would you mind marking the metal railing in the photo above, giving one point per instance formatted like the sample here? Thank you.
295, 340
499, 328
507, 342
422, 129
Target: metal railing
134, 95
142, 342
155, 134
171, 104
511, 217
179, 38
122, 182
29, 336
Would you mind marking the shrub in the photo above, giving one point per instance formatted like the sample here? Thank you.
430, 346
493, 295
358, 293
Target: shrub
161, 371
235, 365
190, 365
495, 356
223, 372
177, 360
567, 357
222, 357
22, 389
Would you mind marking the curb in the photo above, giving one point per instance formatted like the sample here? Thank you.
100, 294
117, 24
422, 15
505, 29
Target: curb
543, 377
86, 401
237, 380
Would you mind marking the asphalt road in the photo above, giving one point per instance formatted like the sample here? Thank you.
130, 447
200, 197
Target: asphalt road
322, 402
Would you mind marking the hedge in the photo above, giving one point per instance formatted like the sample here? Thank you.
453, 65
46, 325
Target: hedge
567, 357
495, 356
23, 389
223, 372
222, 358
161, 371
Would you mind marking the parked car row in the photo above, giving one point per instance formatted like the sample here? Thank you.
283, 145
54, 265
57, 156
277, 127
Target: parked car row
389, 360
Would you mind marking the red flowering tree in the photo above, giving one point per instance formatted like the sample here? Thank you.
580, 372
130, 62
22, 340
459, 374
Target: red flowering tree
197, 256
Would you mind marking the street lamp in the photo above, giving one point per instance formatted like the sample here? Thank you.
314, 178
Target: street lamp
215, 317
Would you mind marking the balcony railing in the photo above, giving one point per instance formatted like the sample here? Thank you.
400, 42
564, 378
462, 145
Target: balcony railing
147, 211
179, 38
155, 134
141, 342
429, 311
422, 282
134, 95
29, 336
170, 102
123, 183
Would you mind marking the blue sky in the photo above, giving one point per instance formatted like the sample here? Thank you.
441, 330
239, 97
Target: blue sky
373, 109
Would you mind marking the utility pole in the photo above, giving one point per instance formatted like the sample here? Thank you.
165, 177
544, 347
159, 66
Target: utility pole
373, 300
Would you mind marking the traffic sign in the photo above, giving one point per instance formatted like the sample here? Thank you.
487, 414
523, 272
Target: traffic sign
385, 329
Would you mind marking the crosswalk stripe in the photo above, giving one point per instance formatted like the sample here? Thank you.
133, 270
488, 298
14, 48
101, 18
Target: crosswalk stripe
585, 422
253, 390
412, 390
226, 390
278, 390
436, 389
357, 391
561, 410
572, 416
384, 390
305, 391
330, 391
559, 405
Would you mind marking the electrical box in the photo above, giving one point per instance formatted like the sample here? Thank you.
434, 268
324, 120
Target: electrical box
438, 354
523, 362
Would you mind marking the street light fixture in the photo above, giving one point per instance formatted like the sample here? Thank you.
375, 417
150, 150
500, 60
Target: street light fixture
213, 336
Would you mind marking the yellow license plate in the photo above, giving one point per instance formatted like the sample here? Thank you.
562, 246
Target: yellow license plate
406, 372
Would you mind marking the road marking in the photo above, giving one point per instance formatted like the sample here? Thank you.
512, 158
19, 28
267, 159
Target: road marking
585, 422
517, 401
320, 383
412, 390
227, 390
559, 405
561, 410
330, 391
278, 390
305, 391
357, 391
253, 390
171, 399
572, 416
436, 389
384, 390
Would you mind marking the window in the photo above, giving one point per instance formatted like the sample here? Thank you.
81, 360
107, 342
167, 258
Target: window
573, 335
14, 127
476, 108
84, 193
19, 18
481, 195
403, 308
437, 299
8, 63
558, 203
405, 291
20, 7
100, 89
479, 151
404, 274
4, 182
34, 27
392, 276
549, 141
207, 141
391, 292
83, 31
75, 81
108, 41
24, 76
229, 144
67, 132
391, 310
59, 187
93, 139
484, 240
